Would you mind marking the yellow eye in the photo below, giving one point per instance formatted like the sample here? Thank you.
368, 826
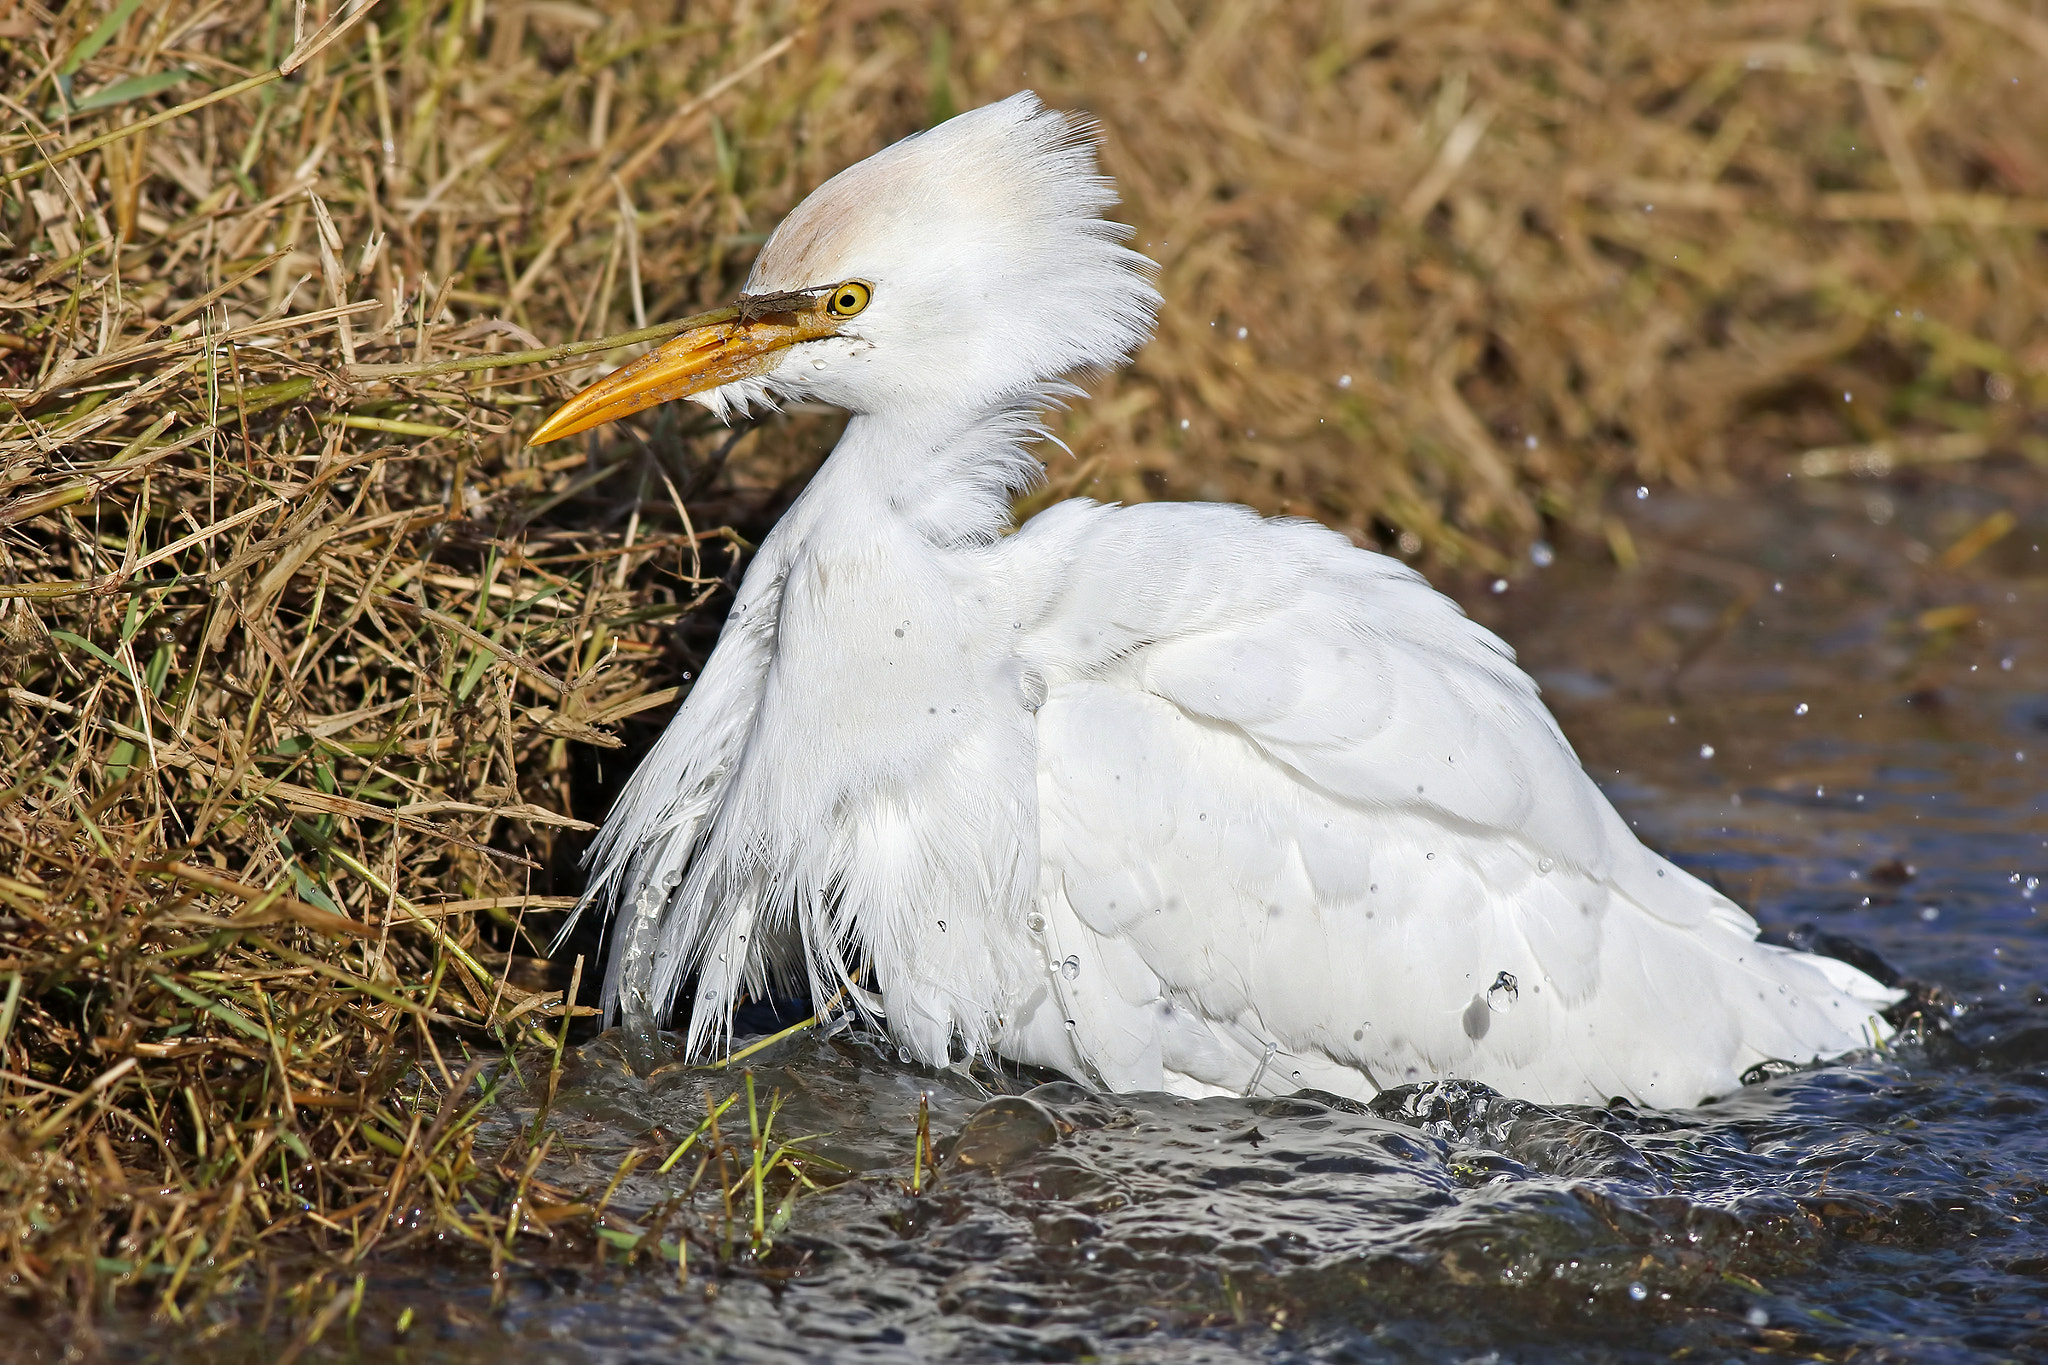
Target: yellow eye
849, 298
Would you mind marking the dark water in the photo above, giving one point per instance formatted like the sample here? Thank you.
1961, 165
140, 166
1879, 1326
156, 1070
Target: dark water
1775, 697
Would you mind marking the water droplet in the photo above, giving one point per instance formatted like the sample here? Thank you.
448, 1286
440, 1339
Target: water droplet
1500, 585
1637, 1292
942, 926
1706, 751
1800, 709
1071, 968
1504, 991
1757, 1317
1543, 866
899, 632
1541, 555
1930, 913
1343, 381
1035, 923
1641, 492
1183, 424
1243, 332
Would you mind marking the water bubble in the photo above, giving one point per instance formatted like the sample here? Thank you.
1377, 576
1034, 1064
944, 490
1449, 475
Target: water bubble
1637, 1292
1800, 709
1504, 991
1541, 555
1500, 585
1071, 968
1706, 751
1641, 492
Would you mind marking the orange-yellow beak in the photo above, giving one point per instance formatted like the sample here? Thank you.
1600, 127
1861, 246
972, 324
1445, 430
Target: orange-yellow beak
699, 359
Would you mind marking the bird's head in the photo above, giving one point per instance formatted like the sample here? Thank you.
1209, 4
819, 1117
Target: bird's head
957, 271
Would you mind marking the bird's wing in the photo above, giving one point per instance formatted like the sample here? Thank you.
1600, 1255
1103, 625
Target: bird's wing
1298, 811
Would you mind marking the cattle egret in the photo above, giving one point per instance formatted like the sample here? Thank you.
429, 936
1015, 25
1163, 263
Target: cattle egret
1162, 797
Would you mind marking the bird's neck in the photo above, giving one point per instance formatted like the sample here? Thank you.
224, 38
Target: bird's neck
950, 477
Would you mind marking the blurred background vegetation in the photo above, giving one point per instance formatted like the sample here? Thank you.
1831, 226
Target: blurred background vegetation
313, 666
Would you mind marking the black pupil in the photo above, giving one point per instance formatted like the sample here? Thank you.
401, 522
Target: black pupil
848, 299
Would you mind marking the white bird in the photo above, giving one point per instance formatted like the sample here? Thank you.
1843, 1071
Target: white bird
1164, 796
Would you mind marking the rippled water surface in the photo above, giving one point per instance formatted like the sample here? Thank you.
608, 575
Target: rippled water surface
1815, 701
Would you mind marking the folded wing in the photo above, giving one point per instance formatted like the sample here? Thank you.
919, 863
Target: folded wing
1303, 823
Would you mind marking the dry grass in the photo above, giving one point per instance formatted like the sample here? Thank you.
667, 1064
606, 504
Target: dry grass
309, 660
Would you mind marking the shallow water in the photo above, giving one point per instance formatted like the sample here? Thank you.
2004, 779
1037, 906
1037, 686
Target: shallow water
1827, 751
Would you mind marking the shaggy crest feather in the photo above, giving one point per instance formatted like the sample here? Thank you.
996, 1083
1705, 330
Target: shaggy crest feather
1164, 796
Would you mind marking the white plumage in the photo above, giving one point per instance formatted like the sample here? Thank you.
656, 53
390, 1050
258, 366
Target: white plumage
1165, 796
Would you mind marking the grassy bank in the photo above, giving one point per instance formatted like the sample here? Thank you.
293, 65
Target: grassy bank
312, 667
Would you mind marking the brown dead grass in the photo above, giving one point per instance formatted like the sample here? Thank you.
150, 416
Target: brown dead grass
308, 657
